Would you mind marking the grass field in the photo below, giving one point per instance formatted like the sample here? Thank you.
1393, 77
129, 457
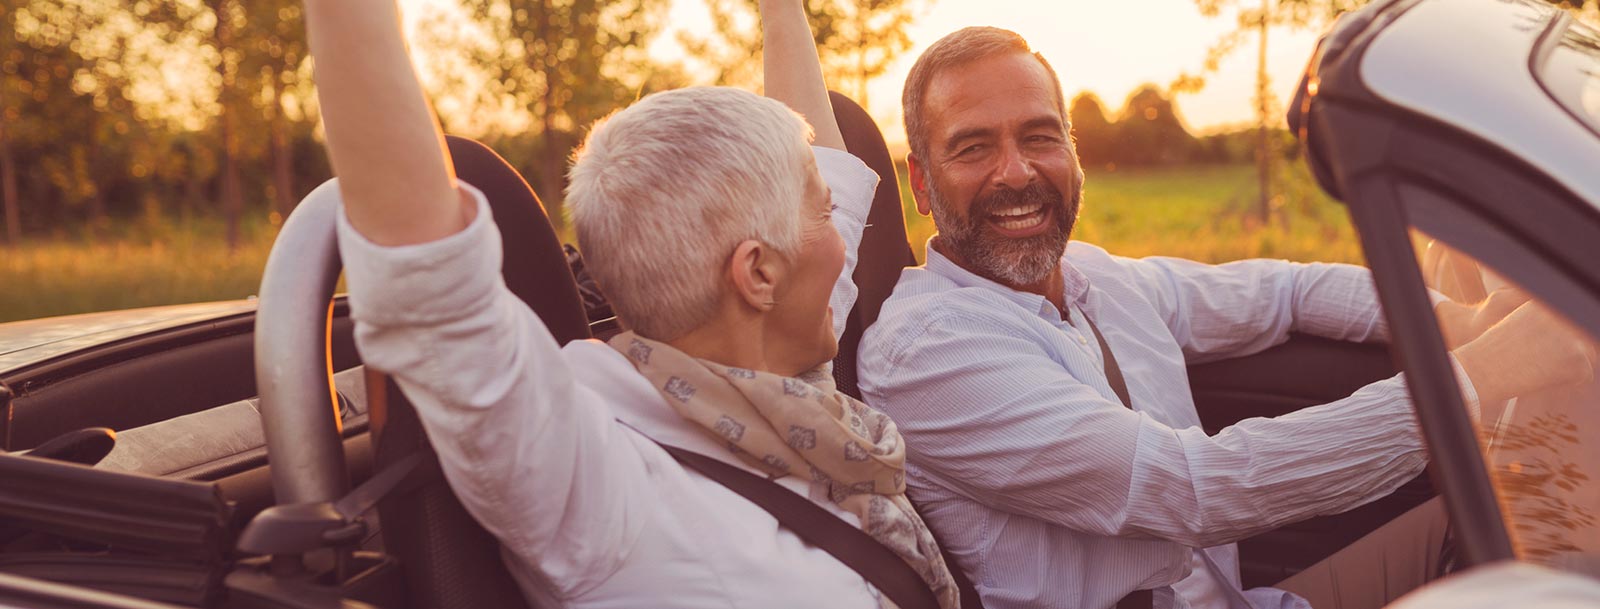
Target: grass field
1193, 212
153, 265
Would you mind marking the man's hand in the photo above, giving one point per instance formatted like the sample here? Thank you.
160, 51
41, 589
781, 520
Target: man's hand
1462, 323
1530, 350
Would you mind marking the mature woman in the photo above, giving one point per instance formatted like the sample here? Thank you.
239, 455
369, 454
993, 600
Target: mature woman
722, 239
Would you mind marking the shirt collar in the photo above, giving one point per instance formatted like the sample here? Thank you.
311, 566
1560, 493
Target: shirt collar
1075, 282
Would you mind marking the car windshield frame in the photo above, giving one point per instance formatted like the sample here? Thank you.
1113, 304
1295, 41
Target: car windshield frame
1578, 95
1368, 130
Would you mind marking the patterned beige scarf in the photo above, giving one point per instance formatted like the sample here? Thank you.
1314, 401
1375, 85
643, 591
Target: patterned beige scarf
852, 454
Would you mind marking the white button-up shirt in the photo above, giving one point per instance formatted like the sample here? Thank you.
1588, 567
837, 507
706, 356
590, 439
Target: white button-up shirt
1050, 493
554, 449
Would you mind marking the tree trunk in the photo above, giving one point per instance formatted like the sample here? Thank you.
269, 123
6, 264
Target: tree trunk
8, 189
1263, 140
97, 196
229, 189
194, 183
861, 56
550, 158
282, 159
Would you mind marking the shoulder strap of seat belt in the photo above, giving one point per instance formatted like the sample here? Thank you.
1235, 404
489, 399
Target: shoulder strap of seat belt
818, 527
1119, 385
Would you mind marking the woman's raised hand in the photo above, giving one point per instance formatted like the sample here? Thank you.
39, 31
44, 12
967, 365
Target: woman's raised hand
791, 70
383, 140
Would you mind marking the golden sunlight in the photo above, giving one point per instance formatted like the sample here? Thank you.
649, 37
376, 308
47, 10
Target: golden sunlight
1106, 48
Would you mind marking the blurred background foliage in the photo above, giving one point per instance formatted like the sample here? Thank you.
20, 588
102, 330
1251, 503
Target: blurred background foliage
150, 148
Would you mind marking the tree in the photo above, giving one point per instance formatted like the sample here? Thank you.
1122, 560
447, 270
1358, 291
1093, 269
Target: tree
39, 114
117, 107
261, 70
227, 18
568, 62
1095, 135
1257, 21
1294, 14
90, 78
10, 60
857, 41
455, 74
874, 32
274, 33
1150, 133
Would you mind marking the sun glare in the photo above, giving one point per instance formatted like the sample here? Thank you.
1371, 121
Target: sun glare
1106, 48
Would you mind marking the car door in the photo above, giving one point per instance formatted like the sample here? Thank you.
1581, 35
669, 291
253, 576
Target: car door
1450, 131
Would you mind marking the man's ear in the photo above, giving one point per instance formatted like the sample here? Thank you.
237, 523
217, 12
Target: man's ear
919, 184
754, 272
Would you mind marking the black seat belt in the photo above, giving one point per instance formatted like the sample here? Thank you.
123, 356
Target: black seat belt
817, 526
1138, 599
1143, 598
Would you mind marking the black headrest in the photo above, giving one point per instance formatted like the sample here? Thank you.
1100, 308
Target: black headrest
884, 251
535, 266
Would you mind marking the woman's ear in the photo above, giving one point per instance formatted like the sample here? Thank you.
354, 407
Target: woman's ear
755, 270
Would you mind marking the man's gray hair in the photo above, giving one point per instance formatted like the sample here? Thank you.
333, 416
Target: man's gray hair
662, 192
958, 48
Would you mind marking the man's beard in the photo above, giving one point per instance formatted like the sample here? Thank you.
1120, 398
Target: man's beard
972, 241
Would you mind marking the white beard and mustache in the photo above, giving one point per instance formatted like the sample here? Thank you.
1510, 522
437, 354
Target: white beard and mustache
1023, 261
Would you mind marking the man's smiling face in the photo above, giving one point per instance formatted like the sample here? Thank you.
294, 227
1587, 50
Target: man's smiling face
1001, 178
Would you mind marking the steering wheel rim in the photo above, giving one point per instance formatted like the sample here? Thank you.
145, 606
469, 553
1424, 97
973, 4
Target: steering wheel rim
294, 369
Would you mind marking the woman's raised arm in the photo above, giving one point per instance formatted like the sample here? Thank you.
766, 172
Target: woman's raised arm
384, 142
791, 71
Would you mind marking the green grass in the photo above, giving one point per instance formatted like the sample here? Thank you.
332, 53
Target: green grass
168, 263
1193, 212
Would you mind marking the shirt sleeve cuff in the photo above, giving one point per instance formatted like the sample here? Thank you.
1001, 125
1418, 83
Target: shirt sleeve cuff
852, 181
423, 283
1435, 297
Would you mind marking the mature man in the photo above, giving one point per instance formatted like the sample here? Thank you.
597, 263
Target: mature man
1055, 445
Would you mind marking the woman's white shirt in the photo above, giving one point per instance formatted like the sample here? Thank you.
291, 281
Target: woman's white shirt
554, 449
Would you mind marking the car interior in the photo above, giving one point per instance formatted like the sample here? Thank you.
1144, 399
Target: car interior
177, 506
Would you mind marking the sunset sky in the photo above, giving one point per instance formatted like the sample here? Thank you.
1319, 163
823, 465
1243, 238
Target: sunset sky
1106, 47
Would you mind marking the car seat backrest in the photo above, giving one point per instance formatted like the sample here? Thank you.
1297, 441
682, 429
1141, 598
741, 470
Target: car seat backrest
450, 561
884, 251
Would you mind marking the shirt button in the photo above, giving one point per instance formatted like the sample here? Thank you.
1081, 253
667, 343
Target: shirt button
1082, 340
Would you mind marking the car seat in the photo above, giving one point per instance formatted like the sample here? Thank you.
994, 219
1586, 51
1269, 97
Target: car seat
449, 560
884, 250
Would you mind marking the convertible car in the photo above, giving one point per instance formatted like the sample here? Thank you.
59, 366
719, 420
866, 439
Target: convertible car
238, 454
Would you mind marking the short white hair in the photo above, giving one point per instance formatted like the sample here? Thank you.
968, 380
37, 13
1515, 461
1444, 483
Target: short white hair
663, 191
